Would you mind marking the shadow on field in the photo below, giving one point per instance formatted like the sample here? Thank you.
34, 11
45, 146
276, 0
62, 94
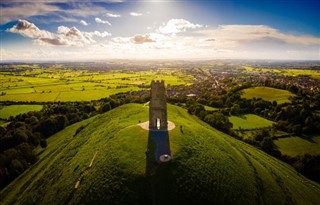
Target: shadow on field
159, 174
308, 138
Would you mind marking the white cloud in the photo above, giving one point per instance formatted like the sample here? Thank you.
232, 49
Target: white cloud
98, 34
112, 15
63, 29
83, 22
29, 30
98, 20
177, 25
72, 37
120, 40
68, 37
135, 14
65, 36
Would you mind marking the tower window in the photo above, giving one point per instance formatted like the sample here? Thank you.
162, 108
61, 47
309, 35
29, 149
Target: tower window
158, 123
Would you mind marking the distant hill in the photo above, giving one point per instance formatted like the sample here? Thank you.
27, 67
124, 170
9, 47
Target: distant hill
207, 167
268, 94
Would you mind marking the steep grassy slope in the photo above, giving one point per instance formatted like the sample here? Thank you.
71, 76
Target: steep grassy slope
208, 167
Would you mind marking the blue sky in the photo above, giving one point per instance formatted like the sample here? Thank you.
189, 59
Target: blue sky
171, 29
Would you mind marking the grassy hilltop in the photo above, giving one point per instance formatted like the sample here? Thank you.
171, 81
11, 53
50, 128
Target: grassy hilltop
208, 167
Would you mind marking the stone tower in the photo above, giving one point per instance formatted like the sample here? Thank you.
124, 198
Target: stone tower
158, 106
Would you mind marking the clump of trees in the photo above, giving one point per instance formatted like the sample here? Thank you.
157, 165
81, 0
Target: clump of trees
216, 119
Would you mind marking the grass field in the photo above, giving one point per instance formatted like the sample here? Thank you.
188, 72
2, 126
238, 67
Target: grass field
70, 85
207, 167
288, 72
249, 121
13, 110
268, 94
294, 146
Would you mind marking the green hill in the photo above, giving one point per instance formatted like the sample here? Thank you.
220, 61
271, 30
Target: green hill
268, 94
207, 167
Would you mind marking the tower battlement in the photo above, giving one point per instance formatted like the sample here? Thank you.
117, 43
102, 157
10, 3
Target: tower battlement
157, 84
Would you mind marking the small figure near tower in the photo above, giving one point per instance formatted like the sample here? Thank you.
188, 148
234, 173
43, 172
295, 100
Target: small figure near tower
158, 106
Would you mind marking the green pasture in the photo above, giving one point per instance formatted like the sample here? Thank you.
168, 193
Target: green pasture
268, 94
64, 85
13, 110
13, 91
31, 97
249, 121
285, 71
294, 146
207, 167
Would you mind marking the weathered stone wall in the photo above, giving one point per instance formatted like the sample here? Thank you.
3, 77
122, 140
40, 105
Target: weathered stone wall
158, 105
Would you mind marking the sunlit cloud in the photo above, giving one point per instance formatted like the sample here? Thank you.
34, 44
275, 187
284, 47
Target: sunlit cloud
98, 34
112, 15
177, 25
135, 14
83, 22
120, 40
29, 30
65, 36
98, 20
68, 37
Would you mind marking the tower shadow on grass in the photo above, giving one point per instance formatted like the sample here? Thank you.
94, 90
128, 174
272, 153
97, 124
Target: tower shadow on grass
159, 173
